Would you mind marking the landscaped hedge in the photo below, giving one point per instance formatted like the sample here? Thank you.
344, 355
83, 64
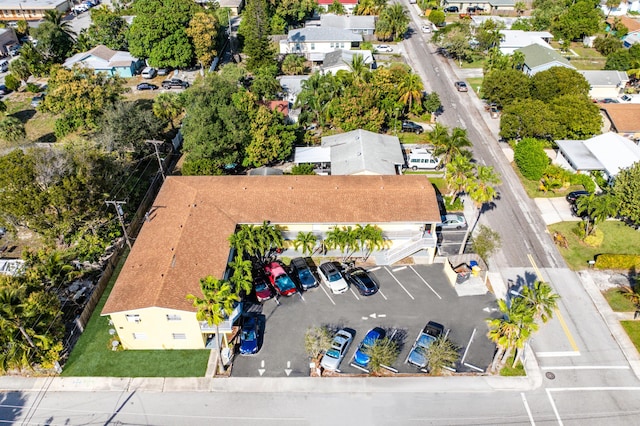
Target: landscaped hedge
618, 261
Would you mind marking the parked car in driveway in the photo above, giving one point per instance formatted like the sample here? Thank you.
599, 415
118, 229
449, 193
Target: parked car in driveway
261, 285
249, 336
410, 126
37, 100
146, 86
280, 280
302, 273
339, 347
364, 282
461, 86
452, 9
572, 197
331, 275
149, 72
453, 221
418, 354
384, 48
362, 357
175, 83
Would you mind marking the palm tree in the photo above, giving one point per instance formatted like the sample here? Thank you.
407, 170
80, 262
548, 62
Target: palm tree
438, 134
596, 209
306, 240
396, 16
57, 18
458, 174
410, 90
369, 238
542, 299
168, 107
452, 145
511, 331
218, 302
482, 191
241, 278
365, 7
359, 70
520, 7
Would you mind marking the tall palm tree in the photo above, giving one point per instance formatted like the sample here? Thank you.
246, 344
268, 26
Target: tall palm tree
438, 134
482, 191
218, 302
241, 278
396, 15
57, 18
596, 209
458, 174
542, 299
366, 7
452, 145
359, 70
410, 90
369, 238
306, 240
168, 107
512, 330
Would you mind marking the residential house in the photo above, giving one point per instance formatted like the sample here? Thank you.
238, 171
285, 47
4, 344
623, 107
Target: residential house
103, 59
511, 40
357, 24
186, 239
605, 84
349, 5
339, 60
315, 42
624, 119
633, 36
538, 58
624, 7
30, 10
487, 5
358, 152
478, 20
234, 6
291, 86
8, 39
608, 153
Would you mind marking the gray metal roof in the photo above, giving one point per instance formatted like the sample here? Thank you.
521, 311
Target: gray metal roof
350, 22
31, 4
319, 34
503, 3
361, 151
579, 155
344, 57
606, 78
536, 55
608, 152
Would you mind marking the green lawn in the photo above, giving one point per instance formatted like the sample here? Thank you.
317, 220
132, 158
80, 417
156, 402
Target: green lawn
92, 355
618, 238
38, 125
533, 191
618, 302
475, 83
633, 330
509, 371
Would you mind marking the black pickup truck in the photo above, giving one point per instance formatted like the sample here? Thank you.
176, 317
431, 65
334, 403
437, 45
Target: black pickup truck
175, 83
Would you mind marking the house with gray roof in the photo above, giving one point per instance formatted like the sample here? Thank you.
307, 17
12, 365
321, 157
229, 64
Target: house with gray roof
487, 5
605, 83
538, 58
341, 59
315, 42
358, 24
608, 153
103, 59
358, 152
512, 40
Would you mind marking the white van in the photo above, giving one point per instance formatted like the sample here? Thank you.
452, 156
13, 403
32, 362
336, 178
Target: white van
422, 159
4, 66
148, 72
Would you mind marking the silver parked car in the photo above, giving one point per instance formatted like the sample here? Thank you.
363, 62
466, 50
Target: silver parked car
339, 347
453, 221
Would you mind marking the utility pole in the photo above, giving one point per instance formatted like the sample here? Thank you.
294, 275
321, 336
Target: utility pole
118, 206
156, 144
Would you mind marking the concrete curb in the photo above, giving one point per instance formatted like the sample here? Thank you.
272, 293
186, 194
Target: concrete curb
613, 322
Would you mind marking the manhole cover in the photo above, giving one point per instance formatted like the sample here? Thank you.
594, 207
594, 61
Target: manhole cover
550, 375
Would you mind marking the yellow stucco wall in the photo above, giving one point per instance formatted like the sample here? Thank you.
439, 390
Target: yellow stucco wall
154, 330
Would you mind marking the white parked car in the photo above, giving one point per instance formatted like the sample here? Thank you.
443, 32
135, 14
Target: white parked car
384, 48
339, 347
330, 274
426, 28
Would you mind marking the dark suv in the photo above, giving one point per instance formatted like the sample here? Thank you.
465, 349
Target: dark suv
410, 126
302, 273
175, 82
572, 197
452, 9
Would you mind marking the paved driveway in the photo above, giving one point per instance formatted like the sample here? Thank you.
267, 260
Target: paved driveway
554, 210
409, 297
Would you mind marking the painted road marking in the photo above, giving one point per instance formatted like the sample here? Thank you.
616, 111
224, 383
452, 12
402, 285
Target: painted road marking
399, 268
373, 269
587, 367
467, 348
473, 367
563, 324
354, 293
555, 409
557, 354
399, 283
382, 294
325, 292
426, 283
526, 407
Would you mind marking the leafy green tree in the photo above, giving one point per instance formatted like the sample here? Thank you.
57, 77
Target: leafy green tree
520, 7
558, 81
488, 34
576, 116
440, 354
12, 82
357, 108
527, 118
203, 31
303, 169
3, 107
545, 12
168, 107
316, 341
265, 85
486, 242
454, 39
431, 102
55, 37
337, 8
158, 32
254, 30
314, 99
34, 59
504, 86
305, 240
294, 65
437, 17
50, 267
624, 59
607, 44
218, 302
108, 29
22, 28
271, 139
293, 12
383, 352
530, 158
20, 68
522, 24
12, 129
581, 19
626, 189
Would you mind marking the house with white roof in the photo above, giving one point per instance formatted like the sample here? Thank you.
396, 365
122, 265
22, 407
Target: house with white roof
511, 40
341, 59
538, 58
358, 152
349, 5
103, 59
358, 24
624, 7
604, 83
608, 153
487, 5
507, 21
315, 42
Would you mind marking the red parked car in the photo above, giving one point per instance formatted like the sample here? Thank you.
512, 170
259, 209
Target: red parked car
280, 280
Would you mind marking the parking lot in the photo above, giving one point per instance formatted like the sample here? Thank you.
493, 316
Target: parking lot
409, 297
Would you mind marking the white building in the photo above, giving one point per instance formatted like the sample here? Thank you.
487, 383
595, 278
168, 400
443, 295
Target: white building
512, 40
605, 84
315, 42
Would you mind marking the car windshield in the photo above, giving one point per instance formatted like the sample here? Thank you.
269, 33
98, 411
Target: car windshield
249, 335
425, 340
284, 282
333, 353
335, 276
305, 275
261, 286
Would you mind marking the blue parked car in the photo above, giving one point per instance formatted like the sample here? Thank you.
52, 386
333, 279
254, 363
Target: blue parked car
302, 273
361, 357
249, 336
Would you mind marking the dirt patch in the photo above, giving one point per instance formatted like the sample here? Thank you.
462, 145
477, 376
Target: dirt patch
607, 279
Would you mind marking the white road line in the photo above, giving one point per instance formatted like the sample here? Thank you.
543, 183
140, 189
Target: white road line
373, 269
399, 268
354, 293
526, 407
399, 283
557, 354
359, 368
426, 283
382, 294
467, 348
586, 367
473, 367
596, 388
325, 292
555, 409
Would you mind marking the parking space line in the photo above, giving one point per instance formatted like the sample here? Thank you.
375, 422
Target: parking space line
325, 292
399, 268
373, 269
526, 407
382, 294
473, 367
426, 283
354, 294
399, 283
467, 348
555, 409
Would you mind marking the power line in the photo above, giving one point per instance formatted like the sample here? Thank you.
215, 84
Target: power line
120, 212
156, 144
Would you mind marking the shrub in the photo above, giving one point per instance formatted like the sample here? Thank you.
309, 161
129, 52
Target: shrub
383, 352
12, 129
486, 242
599, 178
33, 88
594, 239
585, 180
303, 169
618, 261
316, 341
11, 82
530, 158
